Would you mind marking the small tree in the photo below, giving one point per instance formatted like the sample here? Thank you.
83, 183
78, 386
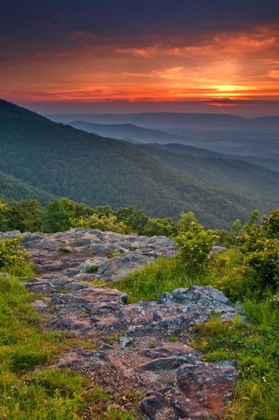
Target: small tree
135, 219
160, 227
26, 216
58, 215
195, 245
186, 220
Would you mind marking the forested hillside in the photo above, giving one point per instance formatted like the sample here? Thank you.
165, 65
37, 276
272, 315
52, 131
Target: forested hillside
13, 189
98, 171
182, 149
240, 177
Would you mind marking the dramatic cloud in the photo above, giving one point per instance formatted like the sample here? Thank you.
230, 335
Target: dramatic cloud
147, 52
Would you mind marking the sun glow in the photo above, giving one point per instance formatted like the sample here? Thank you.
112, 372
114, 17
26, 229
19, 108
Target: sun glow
228, 88
226, 65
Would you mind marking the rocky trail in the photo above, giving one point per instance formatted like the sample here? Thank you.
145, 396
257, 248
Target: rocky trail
143, 346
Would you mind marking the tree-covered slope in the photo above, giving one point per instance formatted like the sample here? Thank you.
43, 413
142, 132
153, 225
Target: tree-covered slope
13, 189
240, 177
97, 171
182, 149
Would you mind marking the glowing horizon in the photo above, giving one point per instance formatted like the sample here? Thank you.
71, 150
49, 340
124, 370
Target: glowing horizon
217, 66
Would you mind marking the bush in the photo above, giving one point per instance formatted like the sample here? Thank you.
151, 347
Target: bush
26, 216
261, 248
195, 245
13, 257
228, 273
4, 215
105, 223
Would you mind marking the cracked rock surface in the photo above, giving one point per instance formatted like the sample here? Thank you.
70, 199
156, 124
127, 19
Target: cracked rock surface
142, 346
92, 255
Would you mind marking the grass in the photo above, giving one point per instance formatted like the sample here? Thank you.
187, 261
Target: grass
30, 389
113, 254
255, 347
173, 338
163, 275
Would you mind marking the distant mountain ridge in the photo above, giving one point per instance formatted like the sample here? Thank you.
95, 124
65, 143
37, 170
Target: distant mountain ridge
126, 131
165, 119
225, 134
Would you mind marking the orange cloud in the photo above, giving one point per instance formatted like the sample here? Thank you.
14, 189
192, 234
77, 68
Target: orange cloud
236, 65
274, 74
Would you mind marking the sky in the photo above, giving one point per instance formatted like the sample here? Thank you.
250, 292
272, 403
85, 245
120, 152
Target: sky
108, 56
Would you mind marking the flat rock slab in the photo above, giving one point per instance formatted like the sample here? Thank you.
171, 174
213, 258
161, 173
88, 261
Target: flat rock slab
92, 255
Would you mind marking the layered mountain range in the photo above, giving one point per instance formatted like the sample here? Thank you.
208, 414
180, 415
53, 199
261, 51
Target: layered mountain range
42, 159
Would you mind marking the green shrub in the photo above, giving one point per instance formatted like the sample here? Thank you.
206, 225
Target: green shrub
13, 257
194, 247
4, 215
26, 216
261, 248
228, 273
104, 223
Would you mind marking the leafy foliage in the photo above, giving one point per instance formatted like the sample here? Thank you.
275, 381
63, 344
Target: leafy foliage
13, 257
107, 223
25, 215
60, 212
261, 247
4, 212
195, 245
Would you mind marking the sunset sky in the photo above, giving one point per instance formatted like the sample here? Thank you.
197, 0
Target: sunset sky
136, 56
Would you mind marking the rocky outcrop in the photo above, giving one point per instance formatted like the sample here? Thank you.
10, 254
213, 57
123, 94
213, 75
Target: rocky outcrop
141, 346
137, 345
92, 255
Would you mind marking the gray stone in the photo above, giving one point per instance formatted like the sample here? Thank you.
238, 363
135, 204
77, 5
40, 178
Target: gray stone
42, 287
215, 249
156, 407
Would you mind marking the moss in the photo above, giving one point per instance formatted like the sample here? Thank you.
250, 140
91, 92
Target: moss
93, 268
